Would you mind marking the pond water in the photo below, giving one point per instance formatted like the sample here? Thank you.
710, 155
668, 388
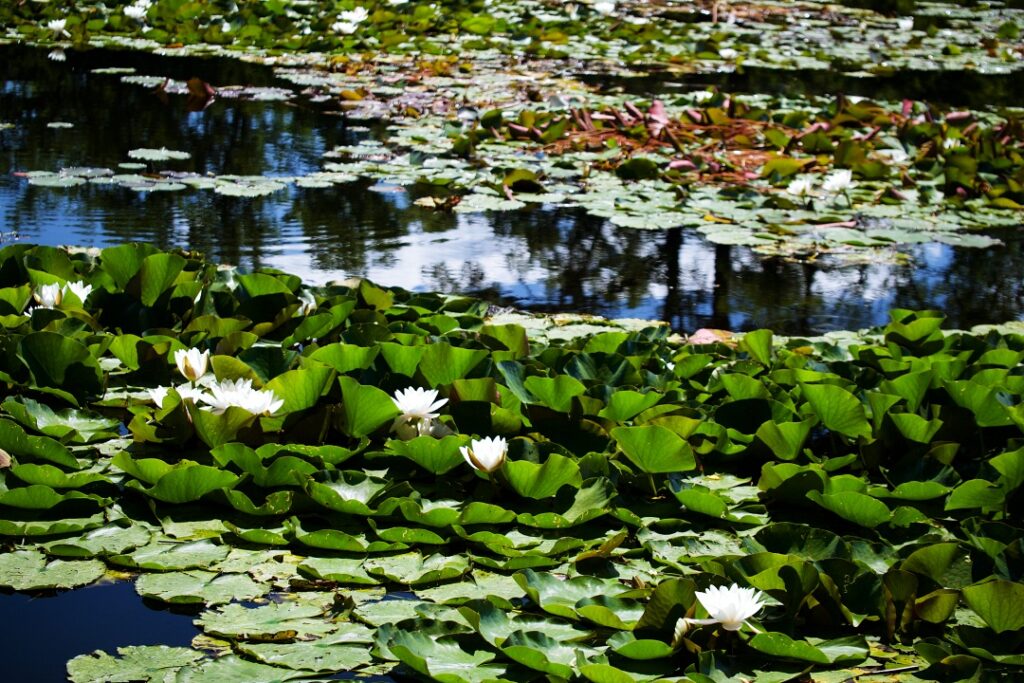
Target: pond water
539, 259
42, 632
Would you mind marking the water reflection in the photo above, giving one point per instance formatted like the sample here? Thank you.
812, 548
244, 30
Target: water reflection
539, 258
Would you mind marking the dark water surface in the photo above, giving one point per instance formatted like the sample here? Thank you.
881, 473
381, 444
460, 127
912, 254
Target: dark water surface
541, 259
40, 634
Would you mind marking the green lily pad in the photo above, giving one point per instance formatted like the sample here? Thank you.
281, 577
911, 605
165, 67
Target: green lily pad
29, 570
198, 587
132, 663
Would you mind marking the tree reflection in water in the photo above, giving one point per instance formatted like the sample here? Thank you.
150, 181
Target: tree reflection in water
539, 258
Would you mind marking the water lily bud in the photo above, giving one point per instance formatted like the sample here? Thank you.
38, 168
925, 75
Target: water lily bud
191, 363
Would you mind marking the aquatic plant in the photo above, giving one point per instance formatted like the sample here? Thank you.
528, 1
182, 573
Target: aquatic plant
862, 488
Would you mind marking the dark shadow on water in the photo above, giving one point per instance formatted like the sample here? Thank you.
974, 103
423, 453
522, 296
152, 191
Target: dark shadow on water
972, 89
41, 633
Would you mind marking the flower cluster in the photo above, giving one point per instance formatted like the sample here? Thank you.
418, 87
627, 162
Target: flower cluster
349, 21
836, 183
240, 393
219, 396
52, 295
730, 607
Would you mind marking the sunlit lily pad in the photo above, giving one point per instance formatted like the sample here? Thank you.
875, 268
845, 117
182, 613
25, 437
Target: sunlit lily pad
161, 154
29, 570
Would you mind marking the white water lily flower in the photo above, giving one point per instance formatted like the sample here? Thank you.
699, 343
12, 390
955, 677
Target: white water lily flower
57, 55
905, 23
801, 187
728, 53
950, 143
355, 16
187, 391
79, 289
158, 395
192, 363
730, 607
263, 402
486, 454
838, 182
417, 406
57, 26
344, 27
895, 156
135, 12
307, 302
240, 394
604, 7
49, 296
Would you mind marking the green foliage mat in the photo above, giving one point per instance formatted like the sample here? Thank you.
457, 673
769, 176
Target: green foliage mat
867, 484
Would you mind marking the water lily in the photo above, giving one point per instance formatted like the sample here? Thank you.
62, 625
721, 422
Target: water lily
905, 23
730, 607
138, 11
187, 391
950, 144
158, 395
79, 289
49, 296
355, 16
344, 27
485, 454
728, 53
604, 7
57, 26
838, 182
307, 302
240, 394
192, 363
57, 55
895, 156
417, 406
801, 187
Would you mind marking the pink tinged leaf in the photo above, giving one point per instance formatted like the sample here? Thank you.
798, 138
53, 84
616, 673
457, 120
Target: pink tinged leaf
657, 113
709, 336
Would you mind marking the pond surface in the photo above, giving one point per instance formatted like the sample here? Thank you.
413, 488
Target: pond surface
541, 258
41, 633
